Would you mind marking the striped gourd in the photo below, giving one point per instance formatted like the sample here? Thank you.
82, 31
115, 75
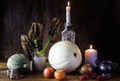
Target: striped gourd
17, 61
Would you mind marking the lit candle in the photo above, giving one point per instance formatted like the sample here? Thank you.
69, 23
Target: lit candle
91, 56
68, 21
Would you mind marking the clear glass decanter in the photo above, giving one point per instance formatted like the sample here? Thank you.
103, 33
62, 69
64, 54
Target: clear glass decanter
68, 34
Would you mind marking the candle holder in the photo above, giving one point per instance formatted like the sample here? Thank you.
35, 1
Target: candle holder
68, 34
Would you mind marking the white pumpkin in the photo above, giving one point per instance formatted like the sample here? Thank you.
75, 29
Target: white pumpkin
65, 55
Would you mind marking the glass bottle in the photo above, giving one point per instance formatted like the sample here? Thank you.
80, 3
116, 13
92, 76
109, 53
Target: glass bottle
68, 34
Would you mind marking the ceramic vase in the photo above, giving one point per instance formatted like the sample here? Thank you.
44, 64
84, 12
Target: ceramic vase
39, 62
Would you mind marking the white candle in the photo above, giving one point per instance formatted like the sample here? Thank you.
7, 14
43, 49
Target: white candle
91, 56
68, 21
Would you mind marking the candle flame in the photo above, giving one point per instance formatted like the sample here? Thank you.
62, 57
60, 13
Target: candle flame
91, 46
68, 4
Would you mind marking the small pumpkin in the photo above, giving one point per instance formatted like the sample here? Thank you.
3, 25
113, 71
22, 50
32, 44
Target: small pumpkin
65, 55
17, 61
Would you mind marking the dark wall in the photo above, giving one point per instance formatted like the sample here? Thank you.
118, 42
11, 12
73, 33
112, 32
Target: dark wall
1, 26
95, 22
98, 23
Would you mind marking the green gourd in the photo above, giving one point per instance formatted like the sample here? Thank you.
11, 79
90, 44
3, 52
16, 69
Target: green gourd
18, 61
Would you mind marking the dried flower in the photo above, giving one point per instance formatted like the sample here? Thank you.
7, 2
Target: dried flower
33, 43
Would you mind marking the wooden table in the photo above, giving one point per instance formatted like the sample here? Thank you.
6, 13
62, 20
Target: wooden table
38, 76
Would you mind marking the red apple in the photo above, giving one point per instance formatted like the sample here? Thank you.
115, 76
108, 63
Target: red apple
59, 74
48, 72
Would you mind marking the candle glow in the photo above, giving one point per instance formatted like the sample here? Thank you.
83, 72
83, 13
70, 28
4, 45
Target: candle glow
68, 4
90, 46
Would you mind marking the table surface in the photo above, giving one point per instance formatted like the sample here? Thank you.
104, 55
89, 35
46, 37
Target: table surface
38, 76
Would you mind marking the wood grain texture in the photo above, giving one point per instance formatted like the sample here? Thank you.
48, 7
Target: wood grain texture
39, 77
3, 65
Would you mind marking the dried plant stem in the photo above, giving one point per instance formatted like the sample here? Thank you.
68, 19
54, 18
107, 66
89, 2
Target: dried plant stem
45, 45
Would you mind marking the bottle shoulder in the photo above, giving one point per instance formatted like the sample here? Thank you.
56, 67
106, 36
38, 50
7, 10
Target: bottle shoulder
68, 31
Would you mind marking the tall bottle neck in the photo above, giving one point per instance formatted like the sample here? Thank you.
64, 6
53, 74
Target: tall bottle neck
68, 26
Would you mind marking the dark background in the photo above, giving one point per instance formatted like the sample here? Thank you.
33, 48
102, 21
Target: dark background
95, 22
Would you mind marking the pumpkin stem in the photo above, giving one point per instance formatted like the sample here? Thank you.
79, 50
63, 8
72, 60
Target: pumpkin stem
25, 65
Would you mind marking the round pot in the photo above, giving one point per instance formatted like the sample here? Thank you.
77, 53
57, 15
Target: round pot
39, 62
